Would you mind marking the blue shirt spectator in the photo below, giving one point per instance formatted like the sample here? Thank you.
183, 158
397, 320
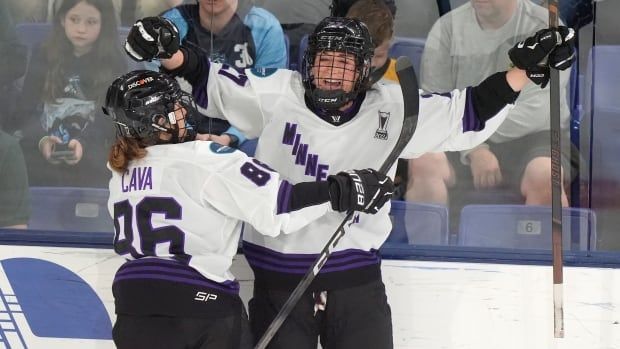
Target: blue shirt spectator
241, 38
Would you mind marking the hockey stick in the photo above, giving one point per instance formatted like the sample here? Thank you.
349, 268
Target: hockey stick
556, 187
409, 88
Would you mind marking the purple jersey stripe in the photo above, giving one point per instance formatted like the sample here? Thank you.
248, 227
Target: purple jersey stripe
284, 197
253, 256
471, 122
264, 258
169, 271
308, 257
325, 269
199, 91
228, 288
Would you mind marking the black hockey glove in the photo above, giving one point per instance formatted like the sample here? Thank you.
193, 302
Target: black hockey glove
152, 37
359, 190
564, 55
532, 51
539, 75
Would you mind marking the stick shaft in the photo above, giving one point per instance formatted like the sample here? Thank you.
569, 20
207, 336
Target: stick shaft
556, 187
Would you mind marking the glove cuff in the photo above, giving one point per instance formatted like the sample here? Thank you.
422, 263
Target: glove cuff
336, 183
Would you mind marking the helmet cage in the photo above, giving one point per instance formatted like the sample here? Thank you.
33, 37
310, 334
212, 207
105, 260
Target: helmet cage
338, 35
146, 113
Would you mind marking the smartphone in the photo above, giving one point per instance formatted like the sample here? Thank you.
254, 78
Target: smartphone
61, 151
63, 155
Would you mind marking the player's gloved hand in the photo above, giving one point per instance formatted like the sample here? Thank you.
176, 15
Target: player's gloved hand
539, 75
564, 55
360, 190
532, 51
152, 37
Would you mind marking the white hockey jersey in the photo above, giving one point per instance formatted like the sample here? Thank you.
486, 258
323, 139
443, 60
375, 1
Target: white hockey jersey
185, 201
297, 143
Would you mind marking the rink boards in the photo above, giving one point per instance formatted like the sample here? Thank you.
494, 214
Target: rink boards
61, 298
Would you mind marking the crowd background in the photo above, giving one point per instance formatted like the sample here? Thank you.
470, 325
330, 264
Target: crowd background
60, 55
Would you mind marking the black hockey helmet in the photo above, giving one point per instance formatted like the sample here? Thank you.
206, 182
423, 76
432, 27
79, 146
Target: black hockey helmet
338, 34
142, 103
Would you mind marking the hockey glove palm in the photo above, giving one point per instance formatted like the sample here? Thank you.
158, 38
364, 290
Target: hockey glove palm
152, 37
359, 190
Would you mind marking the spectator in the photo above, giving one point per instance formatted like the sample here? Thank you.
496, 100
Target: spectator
380, 22
15, 203
415, 18
378, 17
464, 47
130, 10
12, 63
297, 19
242, 40
64, 139
339, 8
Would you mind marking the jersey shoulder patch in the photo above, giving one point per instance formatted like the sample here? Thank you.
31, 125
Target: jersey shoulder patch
220, 149
263, 72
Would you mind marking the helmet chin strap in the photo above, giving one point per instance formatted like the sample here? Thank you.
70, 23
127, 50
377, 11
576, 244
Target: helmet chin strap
330, 99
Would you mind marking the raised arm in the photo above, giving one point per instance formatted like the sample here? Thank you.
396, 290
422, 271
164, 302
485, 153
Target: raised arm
463, 119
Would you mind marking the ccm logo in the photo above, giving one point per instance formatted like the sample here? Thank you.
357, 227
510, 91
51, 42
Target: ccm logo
359, 188
205, 297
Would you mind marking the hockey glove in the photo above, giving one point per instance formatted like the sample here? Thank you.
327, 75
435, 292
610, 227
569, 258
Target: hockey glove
152, 37
564, 55
532, 51
539, 75
359, 190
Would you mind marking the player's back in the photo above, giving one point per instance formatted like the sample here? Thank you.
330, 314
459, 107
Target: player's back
159, 210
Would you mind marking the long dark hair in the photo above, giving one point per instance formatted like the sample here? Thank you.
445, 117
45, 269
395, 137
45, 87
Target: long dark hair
107, 61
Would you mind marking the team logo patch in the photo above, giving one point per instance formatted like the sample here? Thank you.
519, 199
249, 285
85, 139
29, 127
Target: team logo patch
384, 118
220, 149
45, 305
263, 72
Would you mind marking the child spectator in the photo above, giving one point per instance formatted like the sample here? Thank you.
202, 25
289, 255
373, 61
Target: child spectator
64, 141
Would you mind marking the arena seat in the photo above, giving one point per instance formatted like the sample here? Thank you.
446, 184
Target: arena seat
419, 224
303, 45
602, 115
32, 34
527, 227
70, 209
410, 47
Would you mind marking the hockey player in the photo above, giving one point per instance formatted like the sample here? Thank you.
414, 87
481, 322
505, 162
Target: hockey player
321, 121
176, 206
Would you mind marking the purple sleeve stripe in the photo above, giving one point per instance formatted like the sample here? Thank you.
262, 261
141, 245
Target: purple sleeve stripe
199, 91
202, 283
471, 122
284, 197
